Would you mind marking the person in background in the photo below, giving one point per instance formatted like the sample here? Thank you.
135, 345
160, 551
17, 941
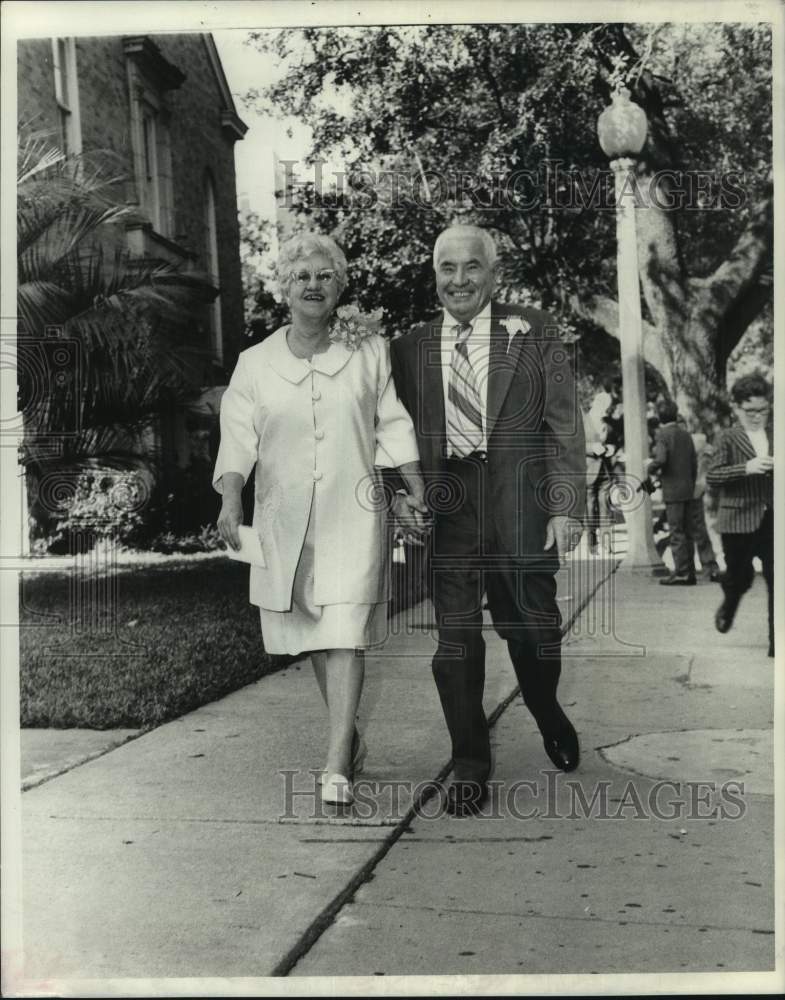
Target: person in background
676, 463
742, 469
700, 533
595, 478
613, 428
604, 432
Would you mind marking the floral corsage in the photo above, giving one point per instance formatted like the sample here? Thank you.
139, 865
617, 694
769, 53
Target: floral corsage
350, 327
515, 324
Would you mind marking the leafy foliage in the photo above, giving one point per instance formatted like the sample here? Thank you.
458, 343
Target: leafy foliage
182, 508
207, 539
449, 110
120, 322
263, 313
103, 504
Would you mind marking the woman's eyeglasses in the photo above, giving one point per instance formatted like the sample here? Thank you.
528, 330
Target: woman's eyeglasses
303, 278
755, 411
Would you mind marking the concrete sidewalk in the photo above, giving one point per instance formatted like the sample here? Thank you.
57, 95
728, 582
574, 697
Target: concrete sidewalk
183, 853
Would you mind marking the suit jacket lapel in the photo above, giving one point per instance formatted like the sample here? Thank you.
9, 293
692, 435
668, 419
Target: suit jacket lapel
427, 368
503, 361
744, 444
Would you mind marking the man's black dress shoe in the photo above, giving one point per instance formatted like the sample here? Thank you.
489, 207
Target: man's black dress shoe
675, 580
562, 746
466, 798
724, 615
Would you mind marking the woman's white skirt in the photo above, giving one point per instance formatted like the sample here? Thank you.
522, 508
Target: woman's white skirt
310, 626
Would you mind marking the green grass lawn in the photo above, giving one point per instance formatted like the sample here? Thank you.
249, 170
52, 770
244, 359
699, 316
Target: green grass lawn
138, 647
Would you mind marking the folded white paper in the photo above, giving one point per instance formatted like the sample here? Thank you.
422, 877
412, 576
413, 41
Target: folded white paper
250, 550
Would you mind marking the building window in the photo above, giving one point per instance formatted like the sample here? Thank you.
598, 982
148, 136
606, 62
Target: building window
67, 94
150, 77
153, 156
212, 264
155, 181
148, 127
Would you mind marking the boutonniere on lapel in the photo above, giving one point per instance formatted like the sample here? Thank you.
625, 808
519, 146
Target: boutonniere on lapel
515, 324
350, 327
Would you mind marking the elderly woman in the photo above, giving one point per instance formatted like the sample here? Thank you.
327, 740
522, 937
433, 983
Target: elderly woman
314, 408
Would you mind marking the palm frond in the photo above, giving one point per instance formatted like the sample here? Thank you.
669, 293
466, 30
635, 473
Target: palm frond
41, 304
125, 317
49, 231
36, 154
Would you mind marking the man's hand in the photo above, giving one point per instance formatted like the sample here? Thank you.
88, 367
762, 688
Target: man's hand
411, 518
565, 532
230, 518
758, 466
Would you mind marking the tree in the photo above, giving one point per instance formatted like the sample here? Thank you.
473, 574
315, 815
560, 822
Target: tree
496, 124
101, 346
263, 313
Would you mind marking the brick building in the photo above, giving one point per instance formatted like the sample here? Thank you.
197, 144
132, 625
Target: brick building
161, 106
159, 109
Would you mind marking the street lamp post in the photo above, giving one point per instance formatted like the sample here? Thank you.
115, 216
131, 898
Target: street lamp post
622, 132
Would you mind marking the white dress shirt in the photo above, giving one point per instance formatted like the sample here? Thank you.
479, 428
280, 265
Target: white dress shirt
760, 441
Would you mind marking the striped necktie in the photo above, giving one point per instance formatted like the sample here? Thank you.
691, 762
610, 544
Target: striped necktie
464, 402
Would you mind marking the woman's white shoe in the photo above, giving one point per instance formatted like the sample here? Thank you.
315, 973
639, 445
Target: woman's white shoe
359, 753
336, 790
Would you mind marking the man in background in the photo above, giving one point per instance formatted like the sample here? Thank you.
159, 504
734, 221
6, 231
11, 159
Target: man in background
676, 463
700, 532
742, 470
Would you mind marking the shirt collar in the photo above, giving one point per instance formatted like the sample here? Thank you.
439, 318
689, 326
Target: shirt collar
482, 319
295, 369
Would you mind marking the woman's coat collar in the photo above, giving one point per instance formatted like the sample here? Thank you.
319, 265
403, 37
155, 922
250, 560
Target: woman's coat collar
294, 369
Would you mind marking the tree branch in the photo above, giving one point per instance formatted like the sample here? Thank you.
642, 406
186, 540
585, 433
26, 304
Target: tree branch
604, 312
482, 65
746, 308
726, 298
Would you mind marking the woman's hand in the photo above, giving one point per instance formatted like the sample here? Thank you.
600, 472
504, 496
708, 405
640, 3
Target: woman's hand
411, 518
229, 520
231, 516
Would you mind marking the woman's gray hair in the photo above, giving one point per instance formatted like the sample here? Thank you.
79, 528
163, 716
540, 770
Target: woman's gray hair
304, 245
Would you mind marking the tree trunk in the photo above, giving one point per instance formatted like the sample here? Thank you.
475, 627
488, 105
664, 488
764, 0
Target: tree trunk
696, 323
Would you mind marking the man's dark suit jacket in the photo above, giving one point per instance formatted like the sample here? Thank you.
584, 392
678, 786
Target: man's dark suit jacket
536, 450
743, 499
677, 460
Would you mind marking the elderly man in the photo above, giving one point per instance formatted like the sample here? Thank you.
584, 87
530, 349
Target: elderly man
490, 388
